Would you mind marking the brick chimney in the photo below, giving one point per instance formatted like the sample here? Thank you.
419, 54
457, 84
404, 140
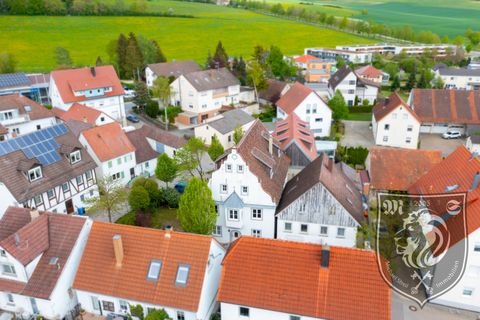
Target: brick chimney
34, 214
325, 256
118, 249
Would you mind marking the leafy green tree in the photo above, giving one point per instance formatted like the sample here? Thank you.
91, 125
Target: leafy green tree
189, 157
121, 54
161, 90
196, 210
136, 311
259, 54
395, 83
338, 106
170, 197
340, 62
438, 83
7, 63
278, 65
166, 169
412, 80
220, 58
215, 149
118, 7
151, 52
133, 57
99, 61
112, 196
343, 23
141, 98
35, 7
156, 314
55, 7
239, 69
139, 198
426, 78
62, 57
150, 185
237, 134
152, 109
256, 77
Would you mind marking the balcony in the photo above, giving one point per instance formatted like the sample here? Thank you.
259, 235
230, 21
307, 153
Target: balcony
18, 119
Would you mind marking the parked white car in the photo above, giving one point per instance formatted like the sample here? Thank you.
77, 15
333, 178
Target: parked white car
452, 134
129, 93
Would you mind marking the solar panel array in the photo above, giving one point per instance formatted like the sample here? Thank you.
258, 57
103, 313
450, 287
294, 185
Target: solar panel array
40, 144
13, 80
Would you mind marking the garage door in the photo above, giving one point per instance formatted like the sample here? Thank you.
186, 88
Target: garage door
426, 128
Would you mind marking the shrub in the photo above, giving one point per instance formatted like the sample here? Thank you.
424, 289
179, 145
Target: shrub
137, 311
362, 109
139, 198
170, 197
152, 109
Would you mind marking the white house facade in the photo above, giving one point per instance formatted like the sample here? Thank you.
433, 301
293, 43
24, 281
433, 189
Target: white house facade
171, 70
458, 78
394, 124
352, 87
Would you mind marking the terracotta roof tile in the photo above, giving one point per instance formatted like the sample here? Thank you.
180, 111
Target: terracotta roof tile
287, 277
383, 108
305, 58
294, 96
293, 130
80, 112
459, 168
369, 71
82, 79
14, 101
270, 169
446, 106
323, 170
108, 141
395, 169
98, 271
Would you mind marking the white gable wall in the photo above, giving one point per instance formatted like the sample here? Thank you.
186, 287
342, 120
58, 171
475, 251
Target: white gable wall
399, 128
232, 312
319, 121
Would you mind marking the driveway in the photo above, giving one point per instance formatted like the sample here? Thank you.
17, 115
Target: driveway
357, 133
436, 142
402, 310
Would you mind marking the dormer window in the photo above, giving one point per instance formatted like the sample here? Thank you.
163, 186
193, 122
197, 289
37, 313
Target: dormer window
75, 157
154, 270
182, 274
35, 174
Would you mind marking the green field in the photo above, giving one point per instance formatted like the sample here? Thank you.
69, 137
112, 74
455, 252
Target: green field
32, 39
444, 17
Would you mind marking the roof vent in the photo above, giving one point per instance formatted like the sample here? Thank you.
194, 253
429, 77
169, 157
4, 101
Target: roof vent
17, 239
325, 256
93, 71
53, 261
27, 108
475, 182
451, 188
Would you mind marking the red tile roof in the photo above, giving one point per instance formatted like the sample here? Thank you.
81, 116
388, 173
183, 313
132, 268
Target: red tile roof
98, 272
50, 235
383, 108
287, 277
446, 106
293, 97
71, 80
108, 141
79, 112
459, 168
305, 58
396, 169
293, 130
369, 72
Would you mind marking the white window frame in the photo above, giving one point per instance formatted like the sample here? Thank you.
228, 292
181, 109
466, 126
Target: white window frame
324, 234
53, 194
154, 270
217, 231
11, 272
75, 157
338, 232
301, 225
65, 189
257, 233
38, 200
35, 173
182, 268
468, 289
228, 167
232, 213
123, 305
240, 168
222, 187
243, 191
257, 214
285, 229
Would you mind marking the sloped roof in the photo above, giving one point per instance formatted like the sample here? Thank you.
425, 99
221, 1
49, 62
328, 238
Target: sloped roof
274, 90
15, 101
446, 106
293, 130
99, 274
81, 112
71, 80
305, 58
383, 108
230, 120
11, 80
211, 79
338, 76
459, 168
50, 235
368, 71
396, 169
108, 141
77, 127
287, 277
323, 170
294, 97
464, 72
174, 68
270, 169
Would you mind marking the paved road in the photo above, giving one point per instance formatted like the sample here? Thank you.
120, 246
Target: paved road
357, 133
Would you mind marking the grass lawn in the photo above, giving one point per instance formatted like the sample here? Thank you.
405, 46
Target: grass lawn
359, 117
160, 218
32, 39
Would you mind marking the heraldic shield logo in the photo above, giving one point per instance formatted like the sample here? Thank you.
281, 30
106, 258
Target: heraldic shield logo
421, 243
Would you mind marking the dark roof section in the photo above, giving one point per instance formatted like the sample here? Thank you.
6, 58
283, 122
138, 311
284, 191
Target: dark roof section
50, 235
11, 80
274, 90
211, 79
77, 127
174, 68
459, 72
383, 108
270, 169
230, 120
53, 174
22, 104
323, 170
338, 76
446, 106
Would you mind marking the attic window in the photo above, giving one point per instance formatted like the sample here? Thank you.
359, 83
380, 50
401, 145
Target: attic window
154, 270
27, 108
35, 174
53, 260
182, 274
75, 157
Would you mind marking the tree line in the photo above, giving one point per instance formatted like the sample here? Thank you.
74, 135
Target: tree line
82, 8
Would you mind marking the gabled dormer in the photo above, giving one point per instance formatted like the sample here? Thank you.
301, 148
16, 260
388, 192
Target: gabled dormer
31, 168
72, 153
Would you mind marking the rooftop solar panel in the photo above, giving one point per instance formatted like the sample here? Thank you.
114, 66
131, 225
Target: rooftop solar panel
13, 80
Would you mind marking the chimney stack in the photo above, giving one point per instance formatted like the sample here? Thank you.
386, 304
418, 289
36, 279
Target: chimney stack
34, 214
118, 249
168, 231
325, 256
270, 144
93, 71
475, 182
